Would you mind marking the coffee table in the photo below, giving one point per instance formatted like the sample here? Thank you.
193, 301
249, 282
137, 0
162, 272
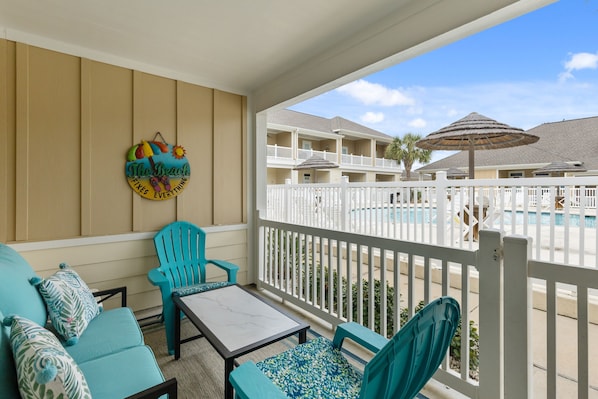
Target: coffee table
235, 322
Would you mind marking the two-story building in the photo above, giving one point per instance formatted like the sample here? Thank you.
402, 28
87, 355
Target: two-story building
294, 137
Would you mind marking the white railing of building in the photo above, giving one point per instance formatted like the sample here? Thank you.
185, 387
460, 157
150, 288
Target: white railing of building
276, 151
564, 366
306, 154
387, 163
315, 268
356, 160
559, 213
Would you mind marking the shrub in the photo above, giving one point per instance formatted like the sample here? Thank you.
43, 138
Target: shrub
455, 347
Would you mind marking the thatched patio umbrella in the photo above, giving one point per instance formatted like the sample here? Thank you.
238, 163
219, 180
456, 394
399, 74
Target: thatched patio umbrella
475, 132
316, 162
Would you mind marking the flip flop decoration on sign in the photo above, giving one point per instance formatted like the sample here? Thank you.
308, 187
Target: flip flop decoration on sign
157, 170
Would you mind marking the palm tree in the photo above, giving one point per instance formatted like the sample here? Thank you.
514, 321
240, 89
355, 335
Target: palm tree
404, 150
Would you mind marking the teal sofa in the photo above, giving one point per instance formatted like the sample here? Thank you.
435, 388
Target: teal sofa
110, 353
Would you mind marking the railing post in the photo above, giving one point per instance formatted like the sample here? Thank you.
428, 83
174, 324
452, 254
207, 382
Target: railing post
287, 201
490, 264
441, 184
517, 318
345, 203
260, 249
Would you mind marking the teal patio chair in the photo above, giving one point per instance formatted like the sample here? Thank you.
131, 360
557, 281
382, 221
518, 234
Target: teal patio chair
180, 247
317, 369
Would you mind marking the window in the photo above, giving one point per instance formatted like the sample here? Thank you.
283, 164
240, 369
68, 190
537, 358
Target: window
345, 150
306, 145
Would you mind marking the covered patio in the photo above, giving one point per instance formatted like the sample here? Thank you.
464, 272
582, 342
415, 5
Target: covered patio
81, 82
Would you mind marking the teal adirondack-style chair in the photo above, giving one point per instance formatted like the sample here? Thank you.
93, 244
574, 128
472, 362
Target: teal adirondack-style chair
317, 369
180, 247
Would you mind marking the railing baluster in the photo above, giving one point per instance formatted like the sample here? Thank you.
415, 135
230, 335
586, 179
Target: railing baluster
371, 287
583, 361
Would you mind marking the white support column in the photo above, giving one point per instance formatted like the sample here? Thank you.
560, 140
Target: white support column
373, 153
294, 143
490, 264
517, 318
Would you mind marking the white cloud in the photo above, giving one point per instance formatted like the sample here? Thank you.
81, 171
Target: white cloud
372, 117
523, 104
582, 61
375, 94
418, 123
579, 61
452, 112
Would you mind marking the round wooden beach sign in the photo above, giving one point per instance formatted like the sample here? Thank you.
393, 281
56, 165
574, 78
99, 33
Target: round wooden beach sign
157, 170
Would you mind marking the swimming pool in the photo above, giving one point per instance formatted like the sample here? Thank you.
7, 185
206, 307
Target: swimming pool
559, 219
427, 215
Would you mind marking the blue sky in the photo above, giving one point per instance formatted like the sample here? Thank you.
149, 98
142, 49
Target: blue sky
540, 67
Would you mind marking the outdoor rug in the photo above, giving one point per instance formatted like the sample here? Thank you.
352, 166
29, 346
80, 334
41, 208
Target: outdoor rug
200, 370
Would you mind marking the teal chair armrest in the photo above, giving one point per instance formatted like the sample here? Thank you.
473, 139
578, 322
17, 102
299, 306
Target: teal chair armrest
156, 277
359, 334
249, 382
230, 268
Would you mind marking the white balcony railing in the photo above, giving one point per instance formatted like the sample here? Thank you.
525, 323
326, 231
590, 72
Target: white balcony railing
275, 151
559, 213
356, 160
387, 163
306, 154
332, 273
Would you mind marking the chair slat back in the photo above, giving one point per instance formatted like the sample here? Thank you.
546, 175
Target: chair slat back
412, 356
180, 247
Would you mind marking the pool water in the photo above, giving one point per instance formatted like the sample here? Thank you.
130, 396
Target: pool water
425, 215
559, 219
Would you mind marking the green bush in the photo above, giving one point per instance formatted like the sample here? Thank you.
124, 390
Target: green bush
455, 348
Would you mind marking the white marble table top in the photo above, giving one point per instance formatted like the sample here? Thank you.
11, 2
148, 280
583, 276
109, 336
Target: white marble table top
236, 317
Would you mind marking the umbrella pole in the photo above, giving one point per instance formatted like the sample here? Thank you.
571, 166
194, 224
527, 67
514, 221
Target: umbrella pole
471, 160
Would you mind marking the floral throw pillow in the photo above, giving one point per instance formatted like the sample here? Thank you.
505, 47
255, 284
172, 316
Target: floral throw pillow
44, 369
71, 305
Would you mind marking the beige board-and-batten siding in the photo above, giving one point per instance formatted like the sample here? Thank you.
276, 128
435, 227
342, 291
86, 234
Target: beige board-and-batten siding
124, 260
67, 123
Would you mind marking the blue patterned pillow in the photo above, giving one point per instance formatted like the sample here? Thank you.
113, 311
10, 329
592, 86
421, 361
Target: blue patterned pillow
71, 305
44, 368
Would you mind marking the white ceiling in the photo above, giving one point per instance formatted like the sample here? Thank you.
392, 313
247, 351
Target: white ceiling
242, 45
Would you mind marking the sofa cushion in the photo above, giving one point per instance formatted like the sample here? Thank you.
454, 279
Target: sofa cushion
44, 368
70, 303
17, 295
128, 371
8, 374
111, 331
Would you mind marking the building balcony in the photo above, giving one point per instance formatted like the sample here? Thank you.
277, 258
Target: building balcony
283, 156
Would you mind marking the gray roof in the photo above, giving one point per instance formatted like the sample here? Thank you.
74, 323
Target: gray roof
570, 140
337, 124
346, 126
